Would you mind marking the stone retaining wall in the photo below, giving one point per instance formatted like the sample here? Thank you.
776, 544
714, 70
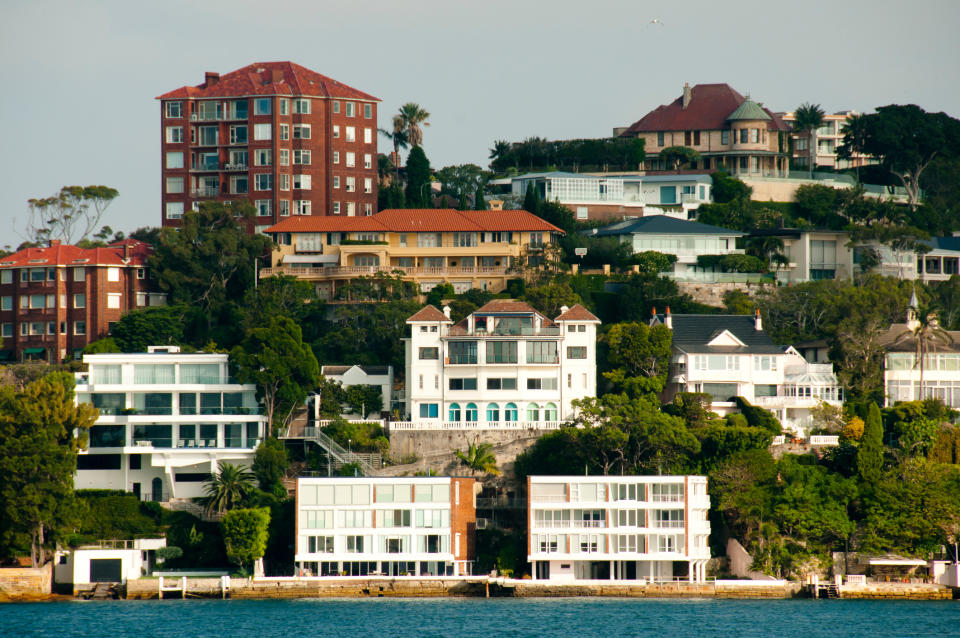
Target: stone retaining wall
25, 583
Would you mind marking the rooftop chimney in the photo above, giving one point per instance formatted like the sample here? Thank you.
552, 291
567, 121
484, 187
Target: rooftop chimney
211, 78
126, 252
756, 320
563, 309
446, 311
668, 320
686, 94
277, 76
54, 242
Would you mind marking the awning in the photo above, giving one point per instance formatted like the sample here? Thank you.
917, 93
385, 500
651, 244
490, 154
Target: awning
898, 562
33, 351
310, 259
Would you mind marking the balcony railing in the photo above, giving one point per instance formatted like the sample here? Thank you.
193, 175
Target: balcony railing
205, 192
360, 271
473, 425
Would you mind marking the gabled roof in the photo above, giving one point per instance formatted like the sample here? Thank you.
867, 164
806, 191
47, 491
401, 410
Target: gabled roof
664, 225
341, 370
429, 313
414, 220
898, 338
505, 305
270, 78
693, 333
577, 313
67, 255
711, 105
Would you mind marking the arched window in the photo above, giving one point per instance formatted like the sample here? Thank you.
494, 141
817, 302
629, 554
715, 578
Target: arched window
510, 412
550, 412
533, 412
493, 412
471, 412
453, 413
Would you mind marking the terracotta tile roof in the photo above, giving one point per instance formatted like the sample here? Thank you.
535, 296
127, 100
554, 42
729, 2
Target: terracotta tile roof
67, 255
270, 78
710, 106
413, 220
429, 313
577, 313
506, 305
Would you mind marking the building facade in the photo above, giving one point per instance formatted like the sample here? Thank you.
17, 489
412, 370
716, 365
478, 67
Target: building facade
726, 356
812, 255
506, 366
398, 526
468, 249
378, 376
287, 139
728, 131
56, 299
828, 138
649, 528
167, 419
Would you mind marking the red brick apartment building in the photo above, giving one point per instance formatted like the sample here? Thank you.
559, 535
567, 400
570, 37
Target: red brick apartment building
55, 300
289, 140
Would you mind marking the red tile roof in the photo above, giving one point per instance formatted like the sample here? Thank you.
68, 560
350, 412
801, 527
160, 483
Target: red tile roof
428, 313
506, 305
66, 255
412, 220
710, 106
577, 313
270, 78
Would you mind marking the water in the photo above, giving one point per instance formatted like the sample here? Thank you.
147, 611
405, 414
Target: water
493, 618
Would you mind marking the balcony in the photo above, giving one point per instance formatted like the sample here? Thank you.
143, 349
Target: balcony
206, 191
473, 425
344, 272
236, 167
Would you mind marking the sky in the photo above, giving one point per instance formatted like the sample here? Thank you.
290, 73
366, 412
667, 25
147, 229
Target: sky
79, 78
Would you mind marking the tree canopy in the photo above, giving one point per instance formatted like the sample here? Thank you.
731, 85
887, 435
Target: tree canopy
71, 215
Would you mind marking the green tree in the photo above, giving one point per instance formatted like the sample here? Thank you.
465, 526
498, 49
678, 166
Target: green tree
438, 293
274, 357
549, 298
727, 189
479, 201
71, 215
639, 357
807, 119
281, 295
531, 199
270, 464
411, 118
678, 156
926, 335
418, 192
461, 181
158, 326
365, 399
870, 453
245, 534
653, 262
400, 140
41, 431
479, 458
228, 487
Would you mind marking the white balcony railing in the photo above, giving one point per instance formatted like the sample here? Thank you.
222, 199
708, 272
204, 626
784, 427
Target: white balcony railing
473, 425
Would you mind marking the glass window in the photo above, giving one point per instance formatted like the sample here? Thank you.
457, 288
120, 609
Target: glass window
144, 373
493, 412
463, 352
175, 159
429, 411
576, 352
429, 353
510, 412
261, 106
188, 403
541, 352
453, 414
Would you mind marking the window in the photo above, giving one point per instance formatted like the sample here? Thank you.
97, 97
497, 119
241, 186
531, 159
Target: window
350, 109
429, 353
79, 327
660, 138
453, 414
368, 136
754, 135
301, 106
262, 132
744, 135
263, 181
501, 352
7, 330
238, 134
464, 240
336, 157
284, 133
238, 185
113, 300
6, 276
367, 111
533, 412
368, 209
765, 363
336, 208
173, 109
174, 185
261, 106
470, 413
301, 182
284, 157
302, 206
264, 207
320, 544
79, 300
502, 383
429, 411
174, 210
510, 412
724, 137
174, 160
351, 134
467, 383
301, 131
336, 182
576, 352
209, 136
262, 157
463, 352
493, 412
336, 131
541, 352
80, 273
6, 303
284, 208
174, 134
367, 160
536, 240
351, 184
301, 157
351, 159
544, 383
283, 181
284, 106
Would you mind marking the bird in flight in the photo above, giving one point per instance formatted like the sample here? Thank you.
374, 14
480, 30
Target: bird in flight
656, 21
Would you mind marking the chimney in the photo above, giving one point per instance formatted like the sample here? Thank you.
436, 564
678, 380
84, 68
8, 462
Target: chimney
126, 252
563, 309
54, 242
276, 76
686, 94
756, 321
653, 313
211, 78
446, 311
668, 320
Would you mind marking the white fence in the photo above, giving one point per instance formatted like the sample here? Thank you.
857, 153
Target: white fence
824, 440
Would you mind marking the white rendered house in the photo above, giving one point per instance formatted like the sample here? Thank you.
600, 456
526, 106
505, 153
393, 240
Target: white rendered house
649, 528
504, 366
729, 356
114, 561
346, 376
409, 526
166, 420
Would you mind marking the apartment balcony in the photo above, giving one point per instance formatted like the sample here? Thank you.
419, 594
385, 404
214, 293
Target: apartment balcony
207, 191
794, 402
472, 425
346, 272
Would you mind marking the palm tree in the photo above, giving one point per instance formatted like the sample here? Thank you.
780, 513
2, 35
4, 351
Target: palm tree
398, 136
854, 139
499, 152
926, 334
479, 458
807, 119
411, 117
227, 487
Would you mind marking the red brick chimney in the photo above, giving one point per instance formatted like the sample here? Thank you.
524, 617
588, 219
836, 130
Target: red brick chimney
211, 78
687, 94
54, 242
126, 252
276, 76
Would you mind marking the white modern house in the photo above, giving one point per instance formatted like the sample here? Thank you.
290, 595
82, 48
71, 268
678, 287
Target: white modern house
904, 379
167, 418
728, 356
346, 376
506, 366
409, 526
639, 528
105, 562
812, 254
940, 262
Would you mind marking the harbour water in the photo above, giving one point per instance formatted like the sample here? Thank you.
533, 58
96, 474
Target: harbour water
489, 618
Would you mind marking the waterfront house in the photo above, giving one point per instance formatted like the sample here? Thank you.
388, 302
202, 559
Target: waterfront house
378, 376
649, 528
397, 526
167, 419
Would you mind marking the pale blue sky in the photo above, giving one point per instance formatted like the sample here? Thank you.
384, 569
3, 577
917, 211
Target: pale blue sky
78, 78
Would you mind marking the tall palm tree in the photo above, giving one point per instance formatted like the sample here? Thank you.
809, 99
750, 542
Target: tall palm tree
854, 139
400, 139
499, 152
227, 487
926, 335
479, 458
807, 119
412, 117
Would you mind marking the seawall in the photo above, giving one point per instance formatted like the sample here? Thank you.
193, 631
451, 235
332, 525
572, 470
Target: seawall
25, 583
